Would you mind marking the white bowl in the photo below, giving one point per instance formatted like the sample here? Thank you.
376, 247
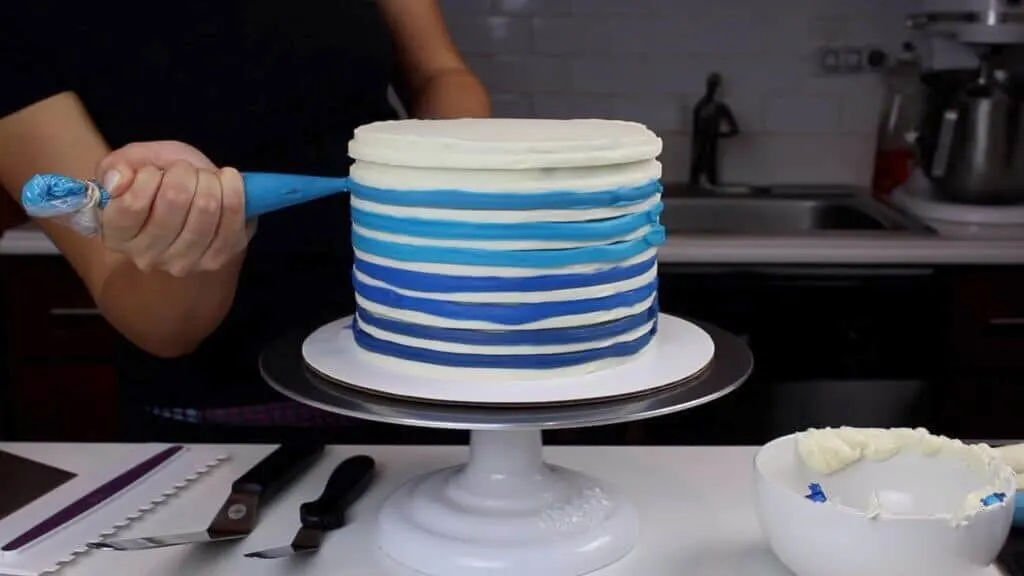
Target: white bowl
920, 534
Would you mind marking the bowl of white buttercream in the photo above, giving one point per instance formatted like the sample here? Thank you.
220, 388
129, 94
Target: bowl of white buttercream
882, 502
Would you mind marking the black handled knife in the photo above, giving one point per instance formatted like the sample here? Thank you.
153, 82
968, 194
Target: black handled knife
237, 518
348, 482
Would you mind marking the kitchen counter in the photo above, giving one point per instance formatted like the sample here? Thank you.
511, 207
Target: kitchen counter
695, 505
866, 249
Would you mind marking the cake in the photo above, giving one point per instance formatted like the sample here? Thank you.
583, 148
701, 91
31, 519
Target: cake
505, 248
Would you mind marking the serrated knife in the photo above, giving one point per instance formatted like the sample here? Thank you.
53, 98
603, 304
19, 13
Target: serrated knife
347, 483
237, 518
93, 499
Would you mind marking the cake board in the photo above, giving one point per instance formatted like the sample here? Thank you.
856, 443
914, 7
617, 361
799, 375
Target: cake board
506, 512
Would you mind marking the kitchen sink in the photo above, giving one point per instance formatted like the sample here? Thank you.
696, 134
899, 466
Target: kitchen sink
766, 213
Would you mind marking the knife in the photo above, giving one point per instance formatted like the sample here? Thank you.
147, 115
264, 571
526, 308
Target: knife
348, 482
237, 517
98, 496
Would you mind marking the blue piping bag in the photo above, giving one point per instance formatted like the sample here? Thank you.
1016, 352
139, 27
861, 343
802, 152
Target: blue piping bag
77, 202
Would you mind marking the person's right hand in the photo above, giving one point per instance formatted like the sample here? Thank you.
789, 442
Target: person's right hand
171, 209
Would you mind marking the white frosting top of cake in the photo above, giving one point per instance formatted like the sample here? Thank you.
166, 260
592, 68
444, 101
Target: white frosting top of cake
504, 143
589, 179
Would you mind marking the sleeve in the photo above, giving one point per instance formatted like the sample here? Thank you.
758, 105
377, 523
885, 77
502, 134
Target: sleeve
37, 54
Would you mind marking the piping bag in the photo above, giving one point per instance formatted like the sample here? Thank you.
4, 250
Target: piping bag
77, 203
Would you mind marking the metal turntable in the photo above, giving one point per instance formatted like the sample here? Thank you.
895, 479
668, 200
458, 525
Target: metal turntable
506, 512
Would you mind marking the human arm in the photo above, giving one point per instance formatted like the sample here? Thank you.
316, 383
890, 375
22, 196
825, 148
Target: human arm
435, 80
162, 314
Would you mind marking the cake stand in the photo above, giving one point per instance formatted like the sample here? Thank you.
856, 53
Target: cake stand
506, 512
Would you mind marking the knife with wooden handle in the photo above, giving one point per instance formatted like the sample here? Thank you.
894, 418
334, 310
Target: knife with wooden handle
347, 483
237, 517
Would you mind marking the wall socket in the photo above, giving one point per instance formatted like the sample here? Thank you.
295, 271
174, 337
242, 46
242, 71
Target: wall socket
844, 59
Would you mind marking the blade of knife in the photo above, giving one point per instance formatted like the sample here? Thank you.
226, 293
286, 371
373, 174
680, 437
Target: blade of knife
237, 517
99, 495
347, 483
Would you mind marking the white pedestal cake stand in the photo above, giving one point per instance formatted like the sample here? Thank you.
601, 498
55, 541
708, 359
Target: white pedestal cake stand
506, 512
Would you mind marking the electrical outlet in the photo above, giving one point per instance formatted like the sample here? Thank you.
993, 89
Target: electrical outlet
843, 59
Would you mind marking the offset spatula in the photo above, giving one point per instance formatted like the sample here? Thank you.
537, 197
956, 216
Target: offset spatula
237, 517
348, 482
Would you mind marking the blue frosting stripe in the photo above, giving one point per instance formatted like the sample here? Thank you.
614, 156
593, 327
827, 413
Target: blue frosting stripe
443, 283
466, 200
539, 337
506, 314
511, 361
606, 229
616, 252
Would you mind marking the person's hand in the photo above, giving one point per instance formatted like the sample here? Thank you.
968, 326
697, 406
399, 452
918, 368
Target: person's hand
171, 209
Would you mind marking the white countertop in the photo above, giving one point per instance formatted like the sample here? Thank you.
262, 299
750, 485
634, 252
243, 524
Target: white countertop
695, 505
867, 249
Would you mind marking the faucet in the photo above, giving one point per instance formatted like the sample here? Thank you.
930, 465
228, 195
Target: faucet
712, 120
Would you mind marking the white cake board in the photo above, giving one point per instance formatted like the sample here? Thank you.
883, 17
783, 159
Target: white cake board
506, 512
678, 351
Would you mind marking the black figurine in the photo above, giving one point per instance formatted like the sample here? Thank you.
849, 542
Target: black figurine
712, 119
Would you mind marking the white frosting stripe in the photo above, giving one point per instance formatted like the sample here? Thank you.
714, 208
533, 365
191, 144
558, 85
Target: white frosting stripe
498, 245
601, 291
495, 271
499, 216
417, 317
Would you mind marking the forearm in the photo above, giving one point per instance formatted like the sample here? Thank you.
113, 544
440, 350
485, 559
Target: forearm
165, 315
451, 94
161, 314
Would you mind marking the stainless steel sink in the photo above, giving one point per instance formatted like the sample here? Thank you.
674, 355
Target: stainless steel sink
766, 213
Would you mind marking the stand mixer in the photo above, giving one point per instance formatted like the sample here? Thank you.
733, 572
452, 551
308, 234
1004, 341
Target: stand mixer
970, 141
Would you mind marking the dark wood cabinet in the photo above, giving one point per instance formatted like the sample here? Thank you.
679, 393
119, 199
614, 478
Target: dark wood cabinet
983, 388
60, 353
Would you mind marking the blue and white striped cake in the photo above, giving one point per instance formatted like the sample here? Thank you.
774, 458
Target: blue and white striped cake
518, 249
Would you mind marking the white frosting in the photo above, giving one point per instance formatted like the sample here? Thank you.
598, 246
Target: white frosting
503, 245
1013, 456
497, 271
830, 450
505, 216
505, 350
503, 143
589, 179
599, 291
417, 317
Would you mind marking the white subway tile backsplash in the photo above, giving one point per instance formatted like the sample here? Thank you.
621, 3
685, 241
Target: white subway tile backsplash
511, 105
453, 8
569, 105
802, 115
502, 35
517, 74
647, 60
531, 7
659, 113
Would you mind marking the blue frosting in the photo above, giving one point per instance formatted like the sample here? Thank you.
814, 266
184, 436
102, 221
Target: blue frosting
606, 229
816, 493
511, 361
51, 195
507, 314
605, 253
441, 283
616, 252
466, 200
537, 337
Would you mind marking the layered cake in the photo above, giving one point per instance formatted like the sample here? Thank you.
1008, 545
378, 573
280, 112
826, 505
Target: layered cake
507, 248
